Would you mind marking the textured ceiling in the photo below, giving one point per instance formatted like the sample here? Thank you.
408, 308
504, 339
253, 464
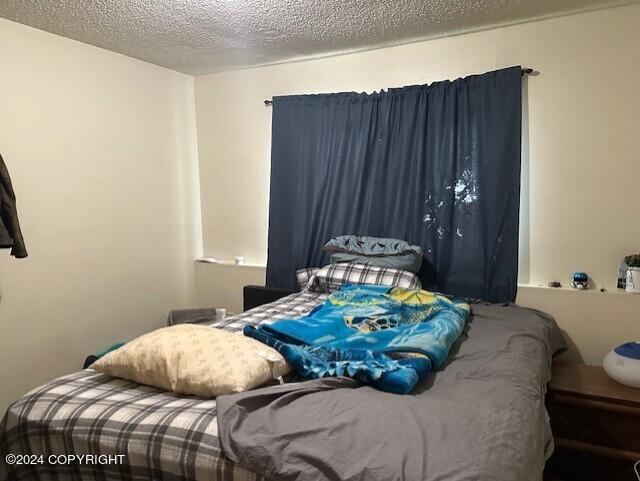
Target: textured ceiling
206, 36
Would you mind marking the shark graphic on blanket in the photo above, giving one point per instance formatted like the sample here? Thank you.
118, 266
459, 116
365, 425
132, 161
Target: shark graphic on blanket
388, 337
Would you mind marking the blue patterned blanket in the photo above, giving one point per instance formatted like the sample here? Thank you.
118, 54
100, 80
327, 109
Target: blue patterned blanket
387, 337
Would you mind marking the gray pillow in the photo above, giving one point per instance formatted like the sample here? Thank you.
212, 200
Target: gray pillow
375, 251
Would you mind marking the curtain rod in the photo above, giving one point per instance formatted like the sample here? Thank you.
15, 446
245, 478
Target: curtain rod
525, 71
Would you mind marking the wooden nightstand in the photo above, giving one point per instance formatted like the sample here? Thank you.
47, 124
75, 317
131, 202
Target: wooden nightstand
595, 423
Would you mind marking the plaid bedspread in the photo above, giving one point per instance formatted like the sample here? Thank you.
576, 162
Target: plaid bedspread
120, 430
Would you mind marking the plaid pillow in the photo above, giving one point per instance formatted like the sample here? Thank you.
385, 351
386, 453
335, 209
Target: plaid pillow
330, 278
303, 276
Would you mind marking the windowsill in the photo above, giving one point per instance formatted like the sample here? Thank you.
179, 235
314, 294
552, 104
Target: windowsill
614, 290
229, 264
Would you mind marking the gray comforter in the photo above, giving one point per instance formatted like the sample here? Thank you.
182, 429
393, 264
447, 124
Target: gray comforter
480, 417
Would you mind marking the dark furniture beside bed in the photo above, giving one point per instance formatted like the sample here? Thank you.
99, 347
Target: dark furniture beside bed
595, 423
255, 296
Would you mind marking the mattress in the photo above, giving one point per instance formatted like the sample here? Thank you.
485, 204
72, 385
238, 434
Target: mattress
136, 432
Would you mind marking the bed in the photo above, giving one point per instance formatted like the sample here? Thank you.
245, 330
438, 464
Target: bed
481, 416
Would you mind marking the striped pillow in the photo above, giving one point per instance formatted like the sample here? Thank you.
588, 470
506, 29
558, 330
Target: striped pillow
332, 277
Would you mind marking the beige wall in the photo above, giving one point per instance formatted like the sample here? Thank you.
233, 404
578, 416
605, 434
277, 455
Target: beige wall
221, 285
581, 130
102, 153
593, 322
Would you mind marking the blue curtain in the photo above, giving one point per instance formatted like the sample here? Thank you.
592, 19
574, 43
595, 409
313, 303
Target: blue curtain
437, 165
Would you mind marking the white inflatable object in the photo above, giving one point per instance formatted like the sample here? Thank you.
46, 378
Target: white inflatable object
623, 364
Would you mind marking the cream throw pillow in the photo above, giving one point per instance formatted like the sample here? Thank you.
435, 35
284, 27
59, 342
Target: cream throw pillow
191, 359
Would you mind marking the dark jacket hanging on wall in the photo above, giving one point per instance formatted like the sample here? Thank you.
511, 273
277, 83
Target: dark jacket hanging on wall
10, 234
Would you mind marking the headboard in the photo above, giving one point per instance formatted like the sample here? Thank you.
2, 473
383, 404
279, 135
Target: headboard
254, 296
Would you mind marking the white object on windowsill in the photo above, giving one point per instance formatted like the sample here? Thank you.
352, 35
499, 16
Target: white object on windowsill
209, 260
633, 280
